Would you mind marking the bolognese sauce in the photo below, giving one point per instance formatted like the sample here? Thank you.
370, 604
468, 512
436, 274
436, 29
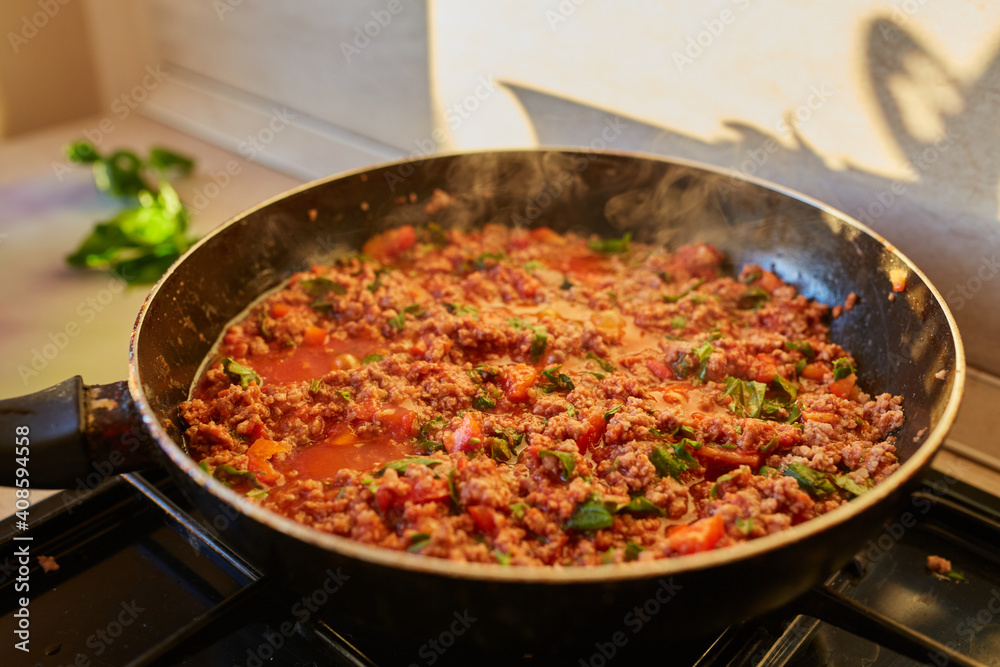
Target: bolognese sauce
526, 397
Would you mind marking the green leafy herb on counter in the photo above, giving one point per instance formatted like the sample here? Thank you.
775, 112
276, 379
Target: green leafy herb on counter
140, 242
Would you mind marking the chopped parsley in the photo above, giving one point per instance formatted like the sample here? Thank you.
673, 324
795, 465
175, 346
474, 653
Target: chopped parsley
518, 509
314, 386
678, 322
461, 309
674, 298
345, 394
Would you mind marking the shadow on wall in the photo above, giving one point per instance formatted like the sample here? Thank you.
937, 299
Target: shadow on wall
942, 214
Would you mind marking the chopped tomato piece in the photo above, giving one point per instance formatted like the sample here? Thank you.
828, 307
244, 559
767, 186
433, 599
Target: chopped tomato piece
843, 387
391, 243
702, 535
258, 459
364, 411
716, 457
768, 281
817, 370
484, 518
595, 431
468, 435
517, 381
545, 235
660, 369
765, 369
399, 421
314, 336
898, 278
279, 310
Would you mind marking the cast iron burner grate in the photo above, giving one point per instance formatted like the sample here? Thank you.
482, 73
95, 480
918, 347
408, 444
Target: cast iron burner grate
141, 581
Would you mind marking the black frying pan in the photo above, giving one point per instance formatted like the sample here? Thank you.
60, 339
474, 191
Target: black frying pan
906, 345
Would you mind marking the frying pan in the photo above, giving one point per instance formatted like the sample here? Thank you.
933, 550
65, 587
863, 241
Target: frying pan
905, 343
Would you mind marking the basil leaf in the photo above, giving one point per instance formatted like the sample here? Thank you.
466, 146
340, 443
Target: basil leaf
842, 368
567, 459
319, 286
458, 309
227, 474
483, 402
558, 381
801, 346
613, 411
497, 449
729, 476
747, 395
240, 373
753, 298
371, 359
373, 287
606, 366
592, 514
402, 465
611, 246
345, 394
418, 541
815, 483
452, 491
745, 526
847, 483
502, 558
672, 462
485, 261
632, 551
678, 322
671, 298
314, 386
641, 505
786, 386
566, 284
518, 509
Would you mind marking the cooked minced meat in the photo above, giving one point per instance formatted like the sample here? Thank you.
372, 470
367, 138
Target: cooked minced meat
530, 398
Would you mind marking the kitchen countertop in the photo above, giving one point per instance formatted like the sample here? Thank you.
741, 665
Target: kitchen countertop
48, 206
57, 322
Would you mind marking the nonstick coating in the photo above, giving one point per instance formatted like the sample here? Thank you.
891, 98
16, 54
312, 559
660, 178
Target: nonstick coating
904, 343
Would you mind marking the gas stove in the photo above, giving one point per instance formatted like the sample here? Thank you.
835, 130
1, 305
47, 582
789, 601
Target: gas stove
128, 575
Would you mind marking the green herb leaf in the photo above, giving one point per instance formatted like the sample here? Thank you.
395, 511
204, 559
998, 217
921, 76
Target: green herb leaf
418, 541
728, 477
257, 493
533, 265
813, 482
787, 386
566, 284
613, 411
672, 462
674, 298
753, 298
557, 381
314, 386
801, 346
371, 359
373, 287
592, 514
745, 526
571, 410
452, 491
345, 394
502, 558
566, 458
632, 551
747, 395
611, 246
497, 449
239, 373
842, 368
402, 465
483, 402
518, 509
847, 483
678, 322
957, 576
228, 475
606, 366
641, 505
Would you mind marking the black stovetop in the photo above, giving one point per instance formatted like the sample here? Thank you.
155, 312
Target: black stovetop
141, 582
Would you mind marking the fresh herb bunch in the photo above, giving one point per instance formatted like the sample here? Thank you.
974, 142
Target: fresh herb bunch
140, 242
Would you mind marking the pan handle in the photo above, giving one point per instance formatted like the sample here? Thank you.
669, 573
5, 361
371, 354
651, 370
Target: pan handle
71, 436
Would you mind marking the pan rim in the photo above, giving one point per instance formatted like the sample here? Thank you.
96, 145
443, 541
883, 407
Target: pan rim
556, 575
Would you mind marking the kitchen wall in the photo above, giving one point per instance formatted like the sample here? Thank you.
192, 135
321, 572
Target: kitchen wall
887, 110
